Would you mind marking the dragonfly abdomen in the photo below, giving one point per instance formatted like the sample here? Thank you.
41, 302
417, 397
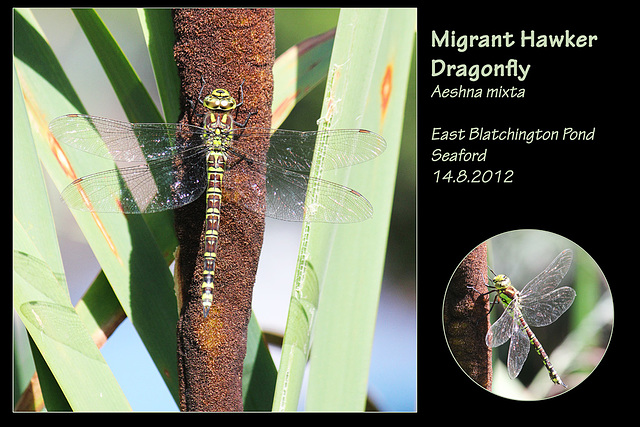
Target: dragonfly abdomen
543, 355
218, 124
215, 170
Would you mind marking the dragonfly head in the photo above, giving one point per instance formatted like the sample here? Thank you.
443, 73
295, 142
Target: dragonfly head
501, 281
219, 99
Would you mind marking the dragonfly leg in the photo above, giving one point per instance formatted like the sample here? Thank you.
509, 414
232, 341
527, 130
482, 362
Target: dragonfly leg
239, 158
191, 102
201, 89
241, 95
250, 113
481, 294
495, 300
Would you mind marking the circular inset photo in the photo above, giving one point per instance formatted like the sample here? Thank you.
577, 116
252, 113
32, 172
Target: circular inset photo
528, 315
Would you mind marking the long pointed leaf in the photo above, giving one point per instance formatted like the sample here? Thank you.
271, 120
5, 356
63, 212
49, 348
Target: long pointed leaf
40, 295
132, 94
136, 269
157, 26
337, 284
378, 54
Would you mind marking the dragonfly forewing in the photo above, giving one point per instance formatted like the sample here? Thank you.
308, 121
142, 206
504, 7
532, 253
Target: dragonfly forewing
549, 278
293, 150
124, 141
546, 309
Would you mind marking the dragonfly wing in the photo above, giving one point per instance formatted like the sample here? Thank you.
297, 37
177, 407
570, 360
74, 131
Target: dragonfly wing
124, 141
144, 188
285, 193
545, 310
503, 328
334, 203
541, 302
293, 150
518, 351
549, 278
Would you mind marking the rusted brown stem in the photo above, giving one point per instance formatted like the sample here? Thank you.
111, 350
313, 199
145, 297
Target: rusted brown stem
224, 47
465, 317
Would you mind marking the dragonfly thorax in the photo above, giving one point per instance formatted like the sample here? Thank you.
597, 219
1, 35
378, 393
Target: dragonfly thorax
219, 99
506, 292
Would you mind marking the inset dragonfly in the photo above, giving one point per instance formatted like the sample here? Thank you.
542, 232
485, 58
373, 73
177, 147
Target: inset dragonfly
539, 303
165, 166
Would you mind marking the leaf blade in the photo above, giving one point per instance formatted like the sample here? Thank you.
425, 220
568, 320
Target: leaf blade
120, 244
41, 298
347, 263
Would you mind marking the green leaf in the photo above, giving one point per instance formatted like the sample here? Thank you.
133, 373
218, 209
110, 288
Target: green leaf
297, 71
40, 295
157, 27
132, 94
339, 273
259, 372
124, 246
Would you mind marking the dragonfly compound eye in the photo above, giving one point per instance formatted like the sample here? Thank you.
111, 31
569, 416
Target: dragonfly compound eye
501, 280
211, 102
227, 104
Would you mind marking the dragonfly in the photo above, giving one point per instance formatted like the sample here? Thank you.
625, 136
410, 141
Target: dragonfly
539, 303
163, 166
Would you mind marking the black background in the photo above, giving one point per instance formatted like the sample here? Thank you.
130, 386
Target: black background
582, 190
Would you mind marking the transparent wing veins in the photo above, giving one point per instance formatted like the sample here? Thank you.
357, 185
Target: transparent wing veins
137, 142
155, 182
541, 303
